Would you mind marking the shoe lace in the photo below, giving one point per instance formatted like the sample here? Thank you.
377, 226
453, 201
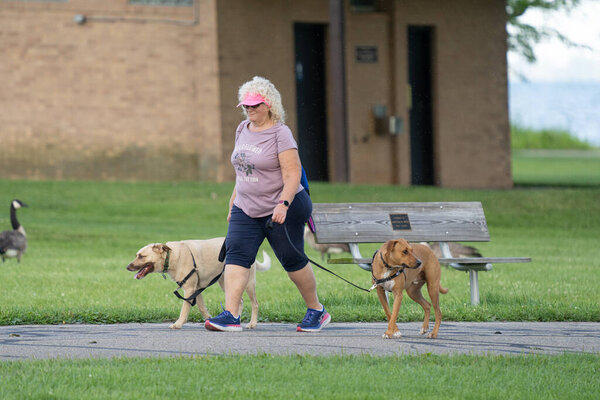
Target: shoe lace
310, 316
225, 313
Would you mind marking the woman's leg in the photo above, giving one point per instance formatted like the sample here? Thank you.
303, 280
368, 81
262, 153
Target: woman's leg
290, 252
305, 281
244, 237
236, 279
291, 255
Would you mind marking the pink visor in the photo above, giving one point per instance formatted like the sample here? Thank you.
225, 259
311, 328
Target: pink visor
252, 99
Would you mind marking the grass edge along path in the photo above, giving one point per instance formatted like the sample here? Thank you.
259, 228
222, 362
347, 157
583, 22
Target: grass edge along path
567, 376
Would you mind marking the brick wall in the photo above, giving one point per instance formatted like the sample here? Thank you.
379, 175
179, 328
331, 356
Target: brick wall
130, 94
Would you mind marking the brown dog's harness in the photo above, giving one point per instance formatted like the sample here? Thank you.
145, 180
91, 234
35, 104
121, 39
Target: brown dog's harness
401, 270
192, 298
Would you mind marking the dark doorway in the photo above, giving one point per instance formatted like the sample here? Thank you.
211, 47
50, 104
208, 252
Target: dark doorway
309, 42
421, 125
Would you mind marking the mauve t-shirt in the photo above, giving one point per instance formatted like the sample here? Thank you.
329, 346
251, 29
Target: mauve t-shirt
258, 174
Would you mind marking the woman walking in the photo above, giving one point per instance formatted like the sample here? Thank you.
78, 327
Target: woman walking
268, 172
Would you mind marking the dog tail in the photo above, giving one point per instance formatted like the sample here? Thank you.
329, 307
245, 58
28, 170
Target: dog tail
266, 264
443, 290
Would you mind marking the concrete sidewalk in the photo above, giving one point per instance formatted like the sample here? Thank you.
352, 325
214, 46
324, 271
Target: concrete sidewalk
22, 342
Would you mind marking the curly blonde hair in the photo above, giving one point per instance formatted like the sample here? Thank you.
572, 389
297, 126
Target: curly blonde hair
265, 88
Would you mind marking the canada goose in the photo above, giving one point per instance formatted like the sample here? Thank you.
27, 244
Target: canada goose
13, 243
456, 250
329, 248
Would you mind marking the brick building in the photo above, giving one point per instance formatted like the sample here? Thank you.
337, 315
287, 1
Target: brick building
388, 91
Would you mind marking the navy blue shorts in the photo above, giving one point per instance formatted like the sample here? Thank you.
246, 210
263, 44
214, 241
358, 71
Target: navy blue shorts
246, 234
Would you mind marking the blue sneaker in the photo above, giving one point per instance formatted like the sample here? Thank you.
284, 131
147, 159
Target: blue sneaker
223, 322
314, 320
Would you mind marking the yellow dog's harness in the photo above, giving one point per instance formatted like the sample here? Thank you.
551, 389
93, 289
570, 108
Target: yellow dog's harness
192, 298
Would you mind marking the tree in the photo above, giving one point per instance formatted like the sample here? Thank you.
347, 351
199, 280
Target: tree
523, 37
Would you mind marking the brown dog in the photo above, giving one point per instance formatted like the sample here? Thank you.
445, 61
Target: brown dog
398, 265
153, 258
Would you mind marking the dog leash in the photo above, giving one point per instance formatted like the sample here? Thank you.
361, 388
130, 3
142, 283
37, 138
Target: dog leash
192, 298
269, 225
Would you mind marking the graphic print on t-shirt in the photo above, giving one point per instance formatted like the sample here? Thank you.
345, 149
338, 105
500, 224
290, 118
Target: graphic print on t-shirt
255, 159
243, 165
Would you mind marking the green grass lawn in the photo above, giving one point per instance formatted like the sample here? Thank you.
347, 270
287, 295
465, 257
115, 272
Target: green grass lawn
83, 234
306, 377
556, 167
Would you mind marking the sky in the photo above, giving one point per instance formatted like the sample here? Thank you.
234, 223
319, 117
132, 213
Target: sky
557, 62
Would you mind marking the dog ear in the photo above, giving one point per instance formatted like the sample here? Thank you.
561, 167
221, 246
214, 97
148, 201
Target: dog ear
160, 248
388, 247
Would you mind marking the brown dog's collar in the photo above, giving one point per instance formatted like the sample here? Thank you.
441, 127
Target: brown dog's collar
402, 267
388, 266
377, 282
385, 263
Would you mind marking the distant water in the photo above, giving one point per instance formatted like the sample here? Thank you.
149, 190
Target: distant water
574, 107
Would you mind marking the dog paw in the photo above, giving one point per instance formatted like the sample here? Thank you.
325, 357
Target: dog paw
423, 331
175, 326
431, 336
251, 325
392, 335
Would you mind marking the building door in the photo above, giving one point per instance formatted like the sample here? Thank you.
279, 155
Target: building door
309, 42
421, 124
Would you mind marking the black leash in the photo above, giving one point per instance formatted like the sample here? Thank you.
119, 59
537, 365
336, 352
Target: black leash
269, 225
192, 298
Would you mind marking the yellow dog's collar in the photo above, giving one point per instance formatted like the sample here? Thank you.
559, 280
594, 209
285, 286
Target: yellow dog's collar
166, 264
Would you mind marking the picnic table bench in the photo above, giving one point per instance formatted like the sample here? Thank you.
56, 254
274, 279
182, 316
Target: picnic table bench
442, 222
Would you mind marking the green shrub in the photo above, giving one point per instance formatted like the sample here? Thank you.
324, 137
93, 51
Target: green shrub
550, 139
